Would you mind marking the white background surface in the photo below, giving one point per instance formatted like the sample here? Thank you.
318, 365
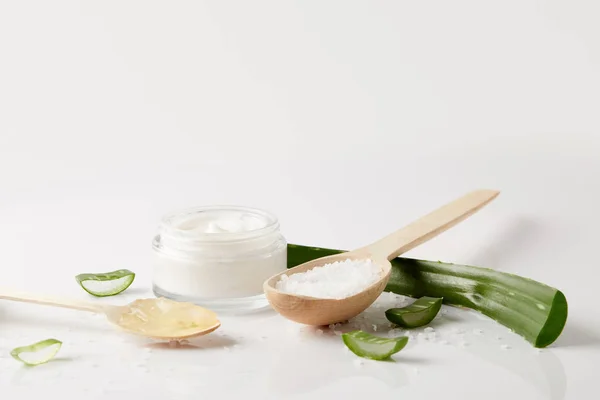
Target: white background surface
346, 119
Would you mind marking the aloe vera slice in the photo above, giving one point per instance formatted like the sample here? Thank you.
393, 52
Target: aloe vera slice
37, 353
365, 345
419, 313
107, 283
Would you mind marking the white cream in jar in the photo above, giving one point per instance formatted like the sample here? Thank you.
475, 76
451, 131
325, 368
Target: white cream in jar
218, 256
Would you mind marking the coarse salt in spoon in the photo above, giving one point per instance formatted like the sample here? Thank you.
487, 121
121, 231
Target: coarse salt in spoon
156, 318
313, 310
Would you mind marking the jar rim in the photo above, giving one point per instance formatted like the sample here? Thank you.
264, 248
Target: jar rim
167, 221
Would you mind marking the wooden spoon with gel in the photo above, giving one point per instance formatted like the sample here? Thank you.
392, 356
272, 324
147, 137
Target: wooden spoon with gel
159, 318
320, 311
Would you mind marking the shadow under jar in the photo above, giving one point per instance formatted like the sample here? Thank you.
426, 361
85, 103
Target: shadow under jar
218, 257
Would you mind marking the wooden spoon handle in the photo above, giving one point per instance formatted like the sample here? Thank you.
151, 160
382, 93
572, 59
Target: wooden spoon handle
431, 225
6, 294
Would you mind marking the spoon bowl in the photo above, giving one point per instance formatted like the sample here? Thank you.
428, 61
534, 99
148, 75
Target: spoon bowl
325, 311
163, 319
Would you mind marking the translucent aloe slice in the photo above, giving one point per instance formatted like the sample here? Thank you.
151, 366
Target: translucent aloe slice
37, 353
106, 284
419, 313
365, 345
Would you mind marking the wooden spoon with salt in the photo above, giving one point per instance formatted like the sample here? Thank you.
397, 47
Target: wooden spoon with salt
324, 311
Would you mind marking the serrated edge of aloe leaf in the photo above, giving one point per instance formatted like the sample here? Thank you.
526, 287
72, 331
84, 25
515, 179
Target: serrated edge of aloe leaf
34, 348
350, 339
106, 276
399, 312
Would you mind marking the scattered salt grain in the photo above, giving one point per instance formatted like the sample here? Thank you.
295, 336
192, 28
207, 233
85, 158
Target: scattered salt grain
394, 332
428, 329
335, 280
374, 327
333, 328
359, 362
505, 347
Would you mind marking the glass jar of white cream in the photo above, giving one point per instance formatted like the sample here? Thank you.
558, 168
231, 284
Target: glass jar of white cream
218, 257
